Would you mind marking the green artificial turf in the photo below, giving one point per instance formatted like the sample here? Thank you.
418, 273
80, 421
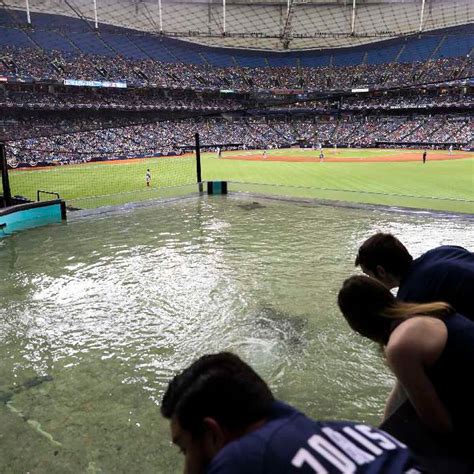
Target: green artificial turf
100, 184
439, 185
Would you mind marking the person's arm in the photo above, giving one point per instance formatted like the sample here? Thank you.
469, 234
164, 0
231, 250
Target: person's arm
413, 346
394, 401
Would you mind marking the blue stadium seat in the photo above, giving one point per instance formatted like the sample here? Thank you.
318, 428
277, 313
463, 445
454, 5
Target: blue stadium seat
188, 57
154, 47
123, 45
218, 59
185, 51
282, 59
316, 60
348, 58
90, 43
455, 45
5, 18
14, 37
250, 60
14, 18
419, 49
65, 23
383, 54
48, 40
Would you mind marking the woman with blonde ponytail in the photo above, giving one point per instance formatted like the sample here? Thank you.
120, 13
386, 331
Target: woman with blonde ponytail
429, 348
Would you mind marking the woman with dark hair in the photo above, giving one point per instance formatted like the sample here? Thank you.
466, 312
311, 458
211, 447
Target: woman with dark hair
429, 348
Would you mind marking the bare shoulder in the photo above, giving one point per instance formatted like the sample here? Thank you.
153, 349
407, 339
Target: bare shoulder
416, 326
423, 337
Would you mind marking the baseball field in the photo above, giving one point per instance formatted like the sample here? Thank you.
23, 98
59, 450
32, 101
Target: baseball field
373, 176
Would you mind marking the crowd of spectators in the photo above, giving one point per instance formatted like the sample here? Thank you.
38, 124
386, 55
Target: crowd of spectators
110, 99
416, 101
173, 137
23, 126
68, 98
55, 65
400, 101
451, 130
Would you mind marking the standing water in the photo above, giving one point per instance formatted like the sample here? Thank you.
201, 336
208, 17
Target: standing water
97, 315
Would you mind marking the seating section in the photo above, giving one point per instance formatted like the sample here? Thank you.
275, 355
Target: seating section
69, 34
218, 59
48, 40
419, 49
153, 47
349, 58
37, 63
50, 22
383, 54
90, 42
188, 54
310, 60
123, 45
250, 60
14, 36
455, 45
278, 60
130, 139
5, 18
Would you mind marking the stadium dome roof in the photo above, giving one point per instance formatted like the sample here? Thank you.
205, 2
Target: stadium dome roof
266, 24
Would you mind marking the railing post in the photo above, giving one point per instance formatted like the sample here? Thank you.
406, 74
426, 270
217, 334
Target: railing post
7, 195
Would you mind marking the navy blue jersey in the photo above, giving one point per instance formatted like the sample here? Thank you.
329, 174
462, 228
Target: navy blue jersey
443, 274
290, 442
450, 371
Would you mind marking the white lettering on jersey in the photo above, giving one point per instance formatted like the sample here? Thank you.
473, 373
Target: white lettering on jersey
357, 454
384, 440
363, 441
332, 454
304, 456
341, 452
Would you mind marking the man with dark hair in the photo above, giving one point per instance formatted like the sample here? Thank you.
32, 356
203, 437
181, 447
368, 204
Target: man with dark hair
444, 273
225, 420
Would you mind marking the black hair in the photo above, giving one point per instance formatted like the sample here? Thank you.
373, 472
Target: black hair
219, 386
387, 251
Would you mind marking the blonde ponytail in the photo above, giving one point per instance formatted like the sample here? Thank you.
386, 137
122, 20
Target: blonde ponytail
401, 310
